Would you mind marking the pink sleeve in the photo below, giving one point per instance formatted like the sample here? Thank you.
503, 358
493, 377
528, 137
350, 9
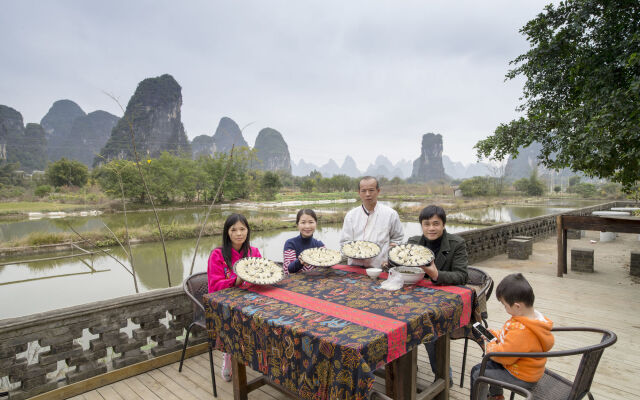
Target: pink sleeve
215, 272
255, 252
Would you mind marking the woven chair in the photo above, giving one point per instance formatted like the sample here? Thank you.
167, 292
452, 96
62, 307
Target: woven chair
553, 386
484, 287
196, 286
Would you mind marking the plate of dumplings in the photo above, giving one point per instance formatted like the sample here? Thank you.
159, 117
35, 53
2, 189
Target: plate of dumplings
258, 270
410, 255
320, 257
360, 249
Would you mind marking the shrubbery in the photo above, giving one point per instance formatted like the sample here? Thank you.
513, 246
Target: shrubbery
43, 190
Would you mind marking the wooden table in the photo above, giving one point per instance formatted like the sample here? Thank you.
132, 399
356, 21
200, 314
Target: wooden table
323, 333
590, 223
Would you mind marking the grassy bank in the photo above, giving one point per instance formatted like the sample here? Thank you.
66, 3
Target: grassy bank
24, 207
149, 233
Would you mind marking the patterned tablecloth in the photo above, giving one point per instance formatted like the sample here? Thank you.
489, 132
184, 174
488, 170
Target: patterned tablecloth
322, 333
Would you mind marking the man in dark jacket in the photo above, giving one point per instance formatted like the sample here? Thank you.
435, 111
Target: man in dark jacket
450, 264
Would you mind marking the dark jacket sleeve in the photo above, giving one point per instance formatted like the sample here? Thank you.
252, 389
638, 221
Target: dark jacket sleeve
454, 271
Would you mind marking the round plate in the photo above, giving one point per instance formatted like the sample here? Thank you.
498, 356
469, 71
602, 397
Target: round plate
353, 245
410, 255
321, 257
258, 270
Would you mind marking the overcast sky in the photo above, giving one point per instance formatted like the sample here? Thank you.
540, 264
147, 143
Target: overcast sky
336, 78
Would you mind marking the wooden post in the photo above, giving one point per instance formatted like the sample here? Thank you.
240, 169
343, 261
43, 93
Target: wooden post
443, 365
562, 247
400, 382
239, 377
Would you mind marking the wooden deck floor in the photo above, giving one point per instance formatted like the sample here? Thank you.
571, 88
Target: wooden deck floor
607, 298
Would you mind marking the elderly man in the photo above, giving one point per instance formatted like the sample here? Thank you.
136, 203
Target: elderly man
373, 222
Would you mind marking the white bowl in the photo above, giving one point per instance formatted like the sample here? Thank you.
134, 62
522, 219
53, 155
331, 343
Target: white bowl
410, 275
374, 272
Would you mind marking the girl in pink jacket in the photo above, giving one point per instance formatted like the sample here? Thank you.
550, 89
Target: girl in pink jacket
235, 245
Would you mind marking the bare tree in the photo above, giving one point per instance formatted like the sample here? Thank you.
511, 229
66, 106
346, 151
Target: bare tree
144, 182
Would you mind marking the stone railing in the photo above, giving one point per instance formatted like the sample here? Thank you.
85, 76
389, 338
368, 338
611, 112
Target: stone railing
46, 351
42, 352
488, 242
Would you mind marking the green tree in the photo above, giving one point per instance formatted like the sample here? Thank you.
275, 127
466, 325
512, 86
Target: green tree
7, 173
107, 178
270, 184
582, 91
308, 185
521, 185
584, 189
532, 186
396, 181
610, 189
67, 172
476, 186
236, 184
557, 189
42, 190
574, 180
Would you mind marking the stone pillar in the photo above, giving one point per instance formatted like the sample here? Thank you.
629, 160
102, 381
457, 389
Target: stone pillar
607, 236
575, 234
529, 240
634, 266
582, 260
518, 249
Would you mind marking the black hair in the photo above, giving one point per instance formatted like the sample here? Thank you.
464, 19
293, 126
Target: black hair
515, 288
306, 211
430, 211
366, 178
226, 239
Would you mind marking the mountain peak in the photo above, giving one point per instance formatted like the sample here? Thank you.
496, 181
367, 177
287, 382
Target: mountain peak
228, 134
272, 151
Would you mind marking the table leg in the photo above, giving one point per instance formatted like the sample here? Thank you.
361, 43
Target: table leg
400, 382
239, 377
562, 247
443, 364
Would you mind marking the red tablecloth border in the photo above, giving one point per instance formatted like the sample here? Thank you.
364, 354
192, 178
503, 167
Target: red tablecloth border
464, 293
395, 330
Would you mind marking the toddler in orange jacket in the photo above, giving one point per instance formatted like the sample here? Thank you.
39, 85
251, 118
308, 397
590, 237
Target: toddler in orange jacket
526, 331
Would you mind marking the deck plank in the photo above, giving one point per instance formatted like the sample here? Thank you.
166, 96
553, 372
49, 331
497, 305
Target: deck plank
156, 387
109, 393
141, 390
124, 391
93, 395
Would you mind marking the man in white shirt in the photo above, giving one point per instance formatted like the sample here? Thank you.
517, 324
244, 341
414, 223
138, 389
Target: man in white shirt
373, 222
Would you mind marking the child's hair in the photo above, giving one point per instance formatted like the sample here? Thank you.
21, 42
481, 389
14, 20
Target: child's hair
515, 288
226, 239
430, 211
306, 211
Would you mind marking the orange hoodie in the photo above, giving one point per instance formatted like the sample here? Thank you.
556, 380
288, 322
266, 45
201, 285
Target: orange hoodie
522, 334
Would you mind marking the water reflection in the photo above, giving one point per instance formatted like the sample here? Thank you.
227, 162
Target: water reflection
508, 213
